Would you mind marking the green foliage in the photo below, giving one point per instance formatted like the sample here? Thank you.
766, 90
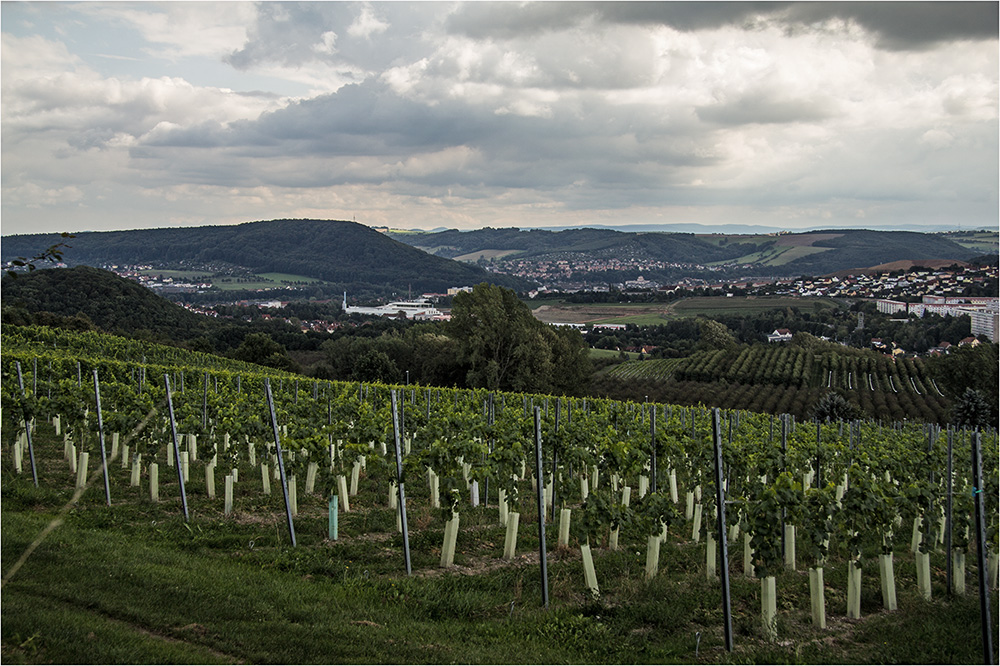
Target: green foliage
112, 303
833, 407
972, 410
505, 348
375, 366
815, 522
261, 349
654, 511
53, 253
971, 367
715, 335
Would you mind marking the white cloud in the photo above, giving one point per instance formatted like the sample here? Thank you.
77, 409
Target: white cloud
33, 196
367, 24
181, 29
328, 45
505, 113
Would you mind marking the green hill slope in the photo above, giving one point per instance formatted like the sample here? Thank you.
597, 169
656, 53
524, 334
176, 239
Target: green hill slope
347, 254
597, 242
112, 303
859, 248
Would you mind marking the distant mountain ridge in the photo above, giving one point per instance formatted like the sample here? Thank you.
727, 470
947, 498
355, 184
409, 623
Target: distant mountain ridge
338, 251
809, 253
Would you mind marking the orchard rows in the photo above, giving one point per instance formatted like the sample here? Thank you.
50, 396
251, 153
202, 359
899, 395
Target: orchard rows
614, 474
892, 388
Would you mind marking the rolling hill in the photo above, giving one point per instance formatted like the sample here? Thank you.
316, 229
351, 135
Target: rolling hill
112, 303
811, 253
539, 243
349, 255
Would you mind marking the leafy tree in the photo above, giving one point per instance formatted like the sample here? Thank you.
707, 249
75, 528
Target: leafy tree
375, 366
259, 348
972, 410
834, 407
715, 335
970, 367
571, 366
53, 253
500, 341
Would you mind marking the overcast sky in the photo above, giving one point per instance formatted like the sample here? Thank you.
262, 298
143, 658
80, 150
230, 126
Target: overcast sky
418, 115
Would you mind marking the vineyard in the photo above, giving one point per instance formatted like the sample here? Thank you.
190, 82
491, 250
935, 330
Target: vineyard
780, 379
660, 369
386, 492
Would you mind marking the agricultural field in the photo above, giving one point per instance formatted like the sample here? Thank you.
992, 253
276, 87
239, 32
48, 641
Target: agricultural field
226, 283
595, 353
650, 314
781, 379
986, 242
473, 257
203, 540
776, 250
658, 369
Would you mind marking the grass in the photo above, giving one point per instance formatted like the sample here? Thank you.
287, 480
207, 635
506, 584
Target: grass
646, 314
612, 353
134, 583
650, 319
486, 254
262, 281
288, 277
984, 242
266, 281
720, 305
795, 252
178, 274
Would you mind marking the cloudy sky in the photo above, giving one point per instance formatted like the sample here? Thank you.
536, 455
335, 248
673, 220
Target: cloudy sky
423, 114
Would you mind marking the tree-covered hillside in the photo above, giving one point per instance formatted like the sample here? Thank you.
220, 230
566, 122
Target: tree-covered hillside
348, 254
100, 298
530, 243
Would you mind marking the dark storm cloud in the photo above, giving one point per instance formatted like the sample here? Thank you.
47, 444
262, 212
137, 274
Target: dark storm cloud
899, 25
509, 20
687, 15
909, 25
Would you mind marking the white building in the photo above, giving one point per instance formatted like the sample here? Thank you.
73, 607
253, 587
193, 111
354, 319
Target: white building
946, 306
419, 308
984, 322
780, 335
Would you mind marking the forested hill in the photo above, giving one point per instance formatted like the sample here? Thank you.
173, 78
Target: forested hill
812, 253
860, 248
341, 252
112, 303
529, 243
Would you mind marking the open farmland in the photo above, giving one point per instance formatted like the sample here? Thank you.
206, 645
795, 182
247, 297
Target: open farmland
227, 283
650, 314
